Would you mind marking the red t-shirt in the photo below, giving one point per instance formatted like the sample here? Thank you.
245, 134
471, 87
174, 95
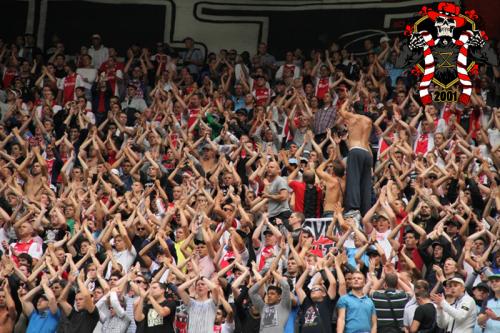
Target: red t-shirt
266, 252
8, 76
69, 88
262, 95
322, 87
299, 188
422, 144
193, 114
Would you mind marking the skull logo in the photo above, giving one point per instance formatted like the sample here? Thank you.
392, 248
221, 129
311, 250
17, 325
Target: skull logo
445, 26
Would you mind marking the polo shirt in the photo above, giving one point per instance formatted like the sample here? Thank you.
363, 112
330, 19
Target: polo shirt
43, 322
358, 312
398, 300
493, 326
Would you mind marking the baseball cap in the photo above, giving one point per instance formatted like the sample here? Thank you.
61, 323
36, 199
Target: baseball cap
384, 39
242, 111
437, 242
292, 161
457, 280
494, 276
97, 36
378, 216
372, 251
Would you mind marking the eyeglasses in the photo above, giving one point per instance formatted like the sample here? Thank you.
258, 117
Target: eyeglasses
140, 281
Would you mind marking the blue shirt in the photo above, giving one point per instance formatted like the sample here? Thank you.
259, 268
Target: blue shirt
358, 312
43, 322
351, 257
493, 326
290, 323
239, 102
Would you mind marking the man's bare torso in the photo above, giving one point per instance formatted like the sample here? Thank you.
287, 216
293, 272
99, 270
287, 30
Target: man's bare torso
359, 129
6, 322
334, 193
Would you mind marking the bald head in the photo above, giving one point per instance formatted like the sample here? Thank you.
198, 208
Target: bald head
273, 169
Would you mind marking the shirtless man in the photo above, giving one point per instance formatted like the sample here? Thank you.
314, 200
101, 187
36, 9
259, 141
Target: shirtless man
334, 184
359, 161
7, 308
37, 175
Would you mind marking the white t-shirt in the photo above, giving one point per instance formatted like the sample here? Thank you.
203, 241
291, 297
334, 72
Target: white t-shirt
384, 242
125, 258
87, 73
201, 316
98, 56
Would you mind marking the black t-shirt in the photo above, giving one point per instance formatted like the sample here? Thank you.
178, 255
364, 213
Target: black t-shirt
244, 321
316, 317
147, 181
428, 224
153, 322
425, 314
53, 235
82, 321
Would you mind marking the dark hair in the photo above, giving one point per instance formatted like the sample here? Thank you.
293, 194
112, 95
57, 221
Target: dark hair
224, 312
60, 282
71, 64
26, 257
338, 168
161, 285
414, 233
275, 288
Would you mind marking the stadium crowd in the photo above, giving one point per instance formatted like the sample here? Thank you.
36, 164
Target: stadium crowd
169, 191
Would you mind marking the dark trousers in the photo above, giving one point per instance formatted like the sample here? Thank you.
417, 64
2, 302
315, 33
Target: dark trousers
359, 181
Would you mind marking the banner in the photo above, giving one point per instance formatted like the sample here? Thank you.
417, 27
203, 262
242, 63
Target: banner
318, 228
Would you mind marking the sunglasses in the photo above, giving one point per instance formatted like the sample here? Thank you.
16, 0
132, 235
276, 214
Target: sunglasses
140, 281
